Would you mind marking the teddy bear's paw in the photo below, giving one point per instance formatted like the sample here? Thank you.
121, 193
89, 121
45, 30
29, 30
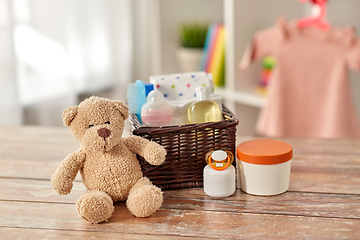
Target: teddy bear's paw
144, 201
154, 153
95, 206
62, 185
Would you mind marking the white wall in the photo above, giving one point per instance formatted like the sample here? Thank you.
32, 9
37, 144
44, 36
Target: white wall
174, 12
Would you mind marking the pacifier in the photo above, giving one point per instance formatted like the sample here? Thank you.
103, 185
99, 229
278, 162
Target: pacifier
219, 159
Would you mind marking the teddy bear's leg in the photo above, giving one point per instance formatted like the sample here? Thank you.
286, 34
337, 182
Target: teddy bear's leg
144, 198
95, 206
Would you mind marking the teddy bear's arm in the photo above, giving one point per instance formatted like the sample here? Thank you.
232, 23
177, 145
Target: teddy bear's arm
152, 152
62, 179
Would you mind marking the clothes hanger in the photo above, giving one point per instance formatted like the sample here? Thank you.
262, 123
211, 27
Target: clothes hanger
317, 21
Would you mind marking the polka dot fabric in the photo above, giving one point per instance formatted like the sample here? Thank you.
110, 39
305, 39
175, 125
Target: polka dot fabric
181, 86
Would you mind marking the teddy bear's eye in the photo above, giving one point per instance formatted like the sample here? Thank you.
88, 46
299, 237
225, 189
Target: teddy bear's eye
108, 122
91, 125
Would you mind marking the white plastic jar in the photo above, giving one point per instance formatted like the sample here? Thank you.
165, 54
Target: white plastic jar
264, 166
219, 174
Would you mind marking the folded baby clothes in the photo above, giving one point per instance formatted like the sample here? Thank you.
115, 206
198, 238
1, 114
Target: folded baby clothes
181, 86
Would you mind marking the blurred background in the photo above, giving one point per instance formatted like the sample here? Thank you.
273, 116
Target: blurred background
55, 53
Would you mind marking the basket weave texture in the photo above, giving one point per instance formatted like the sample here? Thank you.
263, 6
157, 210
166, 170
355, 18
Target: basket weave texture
186, 147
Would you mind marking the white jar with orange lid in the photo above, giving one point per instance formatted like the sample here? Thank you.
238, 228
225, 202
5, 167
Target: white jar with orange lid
264, 166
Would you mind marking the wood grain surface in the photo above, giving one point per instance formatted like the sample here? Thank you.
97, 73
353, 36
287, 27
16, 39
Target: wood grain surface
323, 201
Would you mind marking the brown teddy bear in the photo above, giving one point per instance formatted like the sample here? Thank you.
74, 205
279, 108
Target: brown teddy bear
107, 162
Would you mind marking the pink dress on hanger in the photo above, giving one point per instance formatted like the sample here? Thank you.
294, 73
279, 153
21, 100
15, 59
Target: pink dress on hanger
309, 92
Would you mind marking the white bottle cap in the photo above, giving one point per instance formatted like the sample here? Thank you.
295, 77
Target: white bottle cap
156, 111
202, 93
155, 95
219, 155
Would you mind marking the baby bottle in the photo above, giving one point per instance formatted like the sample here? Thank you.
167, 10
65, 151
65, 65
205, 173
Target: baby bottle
219, 174
156, 111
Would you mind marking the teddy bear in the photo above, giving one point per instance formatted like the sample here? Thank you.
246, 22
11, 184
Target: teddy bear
107, 162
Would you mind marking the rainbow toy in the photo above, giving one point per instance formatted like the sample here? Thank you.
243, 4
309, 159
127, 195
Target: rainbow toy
213, 60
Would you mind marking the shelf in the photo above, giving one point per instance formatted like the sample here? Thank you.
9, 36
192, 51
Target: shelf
243, 97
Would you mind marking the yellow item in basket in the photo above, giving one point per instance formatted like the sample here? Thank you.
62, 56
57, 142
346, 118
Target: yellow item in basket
204, 110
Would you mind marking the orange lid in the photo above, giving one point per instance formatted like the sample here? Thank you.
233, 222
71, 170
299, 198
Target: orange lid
264, 151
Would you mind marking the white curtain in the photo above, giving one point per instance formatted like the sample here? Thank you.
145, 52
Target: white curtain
53, 50
10, 112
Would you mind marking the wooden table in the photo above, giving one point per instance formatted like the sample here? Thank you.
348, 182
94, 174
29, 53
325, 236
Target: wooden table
323, 200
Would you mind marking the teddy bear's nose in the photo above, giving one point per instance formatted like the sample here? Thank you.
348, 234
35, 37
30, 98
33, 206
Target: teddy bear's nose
104, 132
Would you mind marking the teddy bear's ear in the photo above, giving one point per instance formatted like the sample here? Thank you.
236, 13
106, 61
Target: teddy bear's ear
69, 114
124, 110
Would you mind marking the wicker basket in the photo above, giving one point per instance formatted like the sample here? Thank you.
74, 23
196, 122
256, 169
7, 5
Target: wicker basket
186, 147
